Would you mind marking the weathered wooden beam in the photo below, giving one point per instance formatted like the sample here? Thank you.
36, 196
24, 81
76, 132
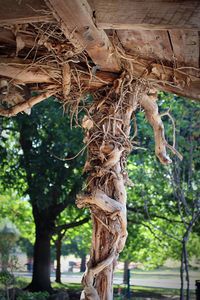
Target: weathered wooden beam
24, 74
22, 71
7, 37
143, 14
76, 19
26, 11
154, 45
181, 81
185, 47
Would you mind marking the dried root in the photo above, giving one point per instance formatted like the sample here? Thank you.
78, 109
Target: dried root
148, 102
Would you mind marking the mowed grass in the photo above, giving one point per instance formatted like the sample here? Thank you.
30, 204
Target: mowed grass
137, 293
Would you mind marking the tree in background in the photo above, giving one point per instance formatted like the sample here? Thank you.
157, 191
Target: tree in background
156, 228
185, 181
70, 218
164, 200
78, 243
41, 146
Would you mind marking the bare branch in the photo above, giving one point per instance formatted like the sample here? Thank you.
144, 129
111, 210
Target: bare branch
14, 110
71, 225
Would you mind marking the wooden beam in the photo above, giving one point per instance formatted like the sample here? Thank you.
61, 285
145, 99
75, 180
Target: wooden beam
185, 47
76, 19
24, 11
179, 81
24, 72
147, 14
154, 45
7, 37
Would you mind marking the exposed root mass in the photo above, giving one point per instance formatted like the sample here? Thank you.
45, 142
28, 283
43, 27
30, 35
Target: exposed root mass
107, 136
55, 67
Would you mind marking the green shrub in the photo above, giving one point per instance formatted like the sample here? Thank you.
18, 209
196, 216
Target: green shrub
2, 295
6, 278
33, 296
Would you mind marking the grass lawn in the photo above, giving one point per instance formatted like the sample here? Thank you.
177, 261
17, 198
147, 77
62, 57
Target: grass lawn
137, 292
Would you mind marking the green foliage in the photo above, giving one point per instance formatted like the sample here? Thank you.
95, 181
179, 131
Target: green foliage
36, 158
8, 237
154, 223
33, 296
78, 240
6, 278
46, 140
34, 149
19, 212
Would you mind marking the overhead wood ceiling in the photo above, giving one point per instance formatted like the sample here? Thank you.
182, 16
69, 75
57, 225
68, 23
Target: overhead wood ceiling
160, 32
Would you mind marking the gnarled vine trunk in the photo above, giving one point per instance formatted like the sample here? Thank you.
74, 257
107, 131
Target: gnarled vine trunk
107, 128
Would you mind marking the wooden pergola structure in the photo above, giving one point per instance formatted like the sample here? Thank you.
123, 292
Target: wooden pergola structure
120, 51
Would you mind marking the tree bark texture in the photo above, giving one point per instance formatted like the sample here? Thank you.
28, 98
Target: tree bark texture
83, 263
41, 264
125, 275
107, 137
58, 257
107, 128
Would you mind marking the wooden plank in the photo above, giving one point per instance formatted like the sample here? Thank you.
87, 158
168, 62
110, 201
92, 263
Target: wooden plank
185, 47
7, 37
76, 18
147, 14
24, 11
178, 81
153, 45
163, 77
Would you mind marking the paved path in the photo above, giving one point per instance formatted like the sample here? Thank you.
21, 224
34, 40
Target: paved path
161, 282
146, 280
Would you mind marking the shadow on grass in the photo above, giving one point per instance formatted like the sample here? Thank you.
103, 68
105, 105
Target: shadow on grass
137, 293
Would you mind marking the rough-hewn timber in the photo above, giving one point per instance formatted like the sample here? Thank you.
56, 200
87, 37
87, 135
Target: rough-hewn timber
151, 14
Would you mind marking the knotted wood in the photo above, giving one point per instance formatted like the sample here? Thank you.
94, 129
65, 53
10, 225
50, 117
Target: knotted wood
107, 128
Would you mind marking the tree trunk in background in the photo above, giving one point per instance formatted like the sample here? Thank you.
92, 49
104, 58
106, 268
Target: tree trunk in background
58, 257
42, 261
83, 263
107, 129
125, 275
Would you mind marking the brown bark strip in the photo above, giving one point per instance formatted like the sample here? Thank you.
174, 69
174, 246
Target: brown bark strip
12, 111
24, 74
148, 102
151, 111
66, 82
